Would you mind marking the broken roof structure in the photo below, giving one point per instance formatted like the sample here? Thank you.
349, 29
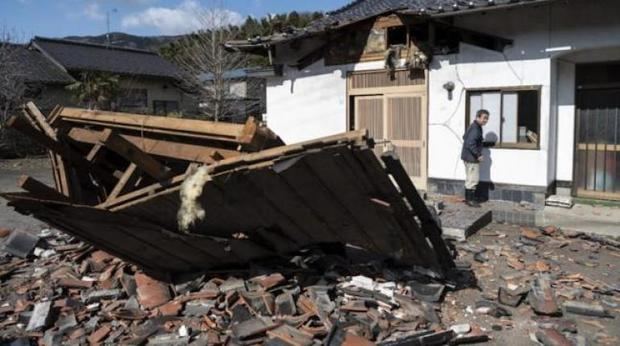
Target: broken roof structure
130, 185
300, 46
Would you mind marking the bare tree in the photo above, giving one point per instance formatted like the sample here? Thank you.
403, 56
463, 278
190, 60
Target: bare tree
12, 82
12, 88
215, 75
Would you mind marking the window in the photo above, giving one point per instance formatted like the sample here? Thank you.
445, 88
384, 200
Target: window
514, 120
165, 107
133, 98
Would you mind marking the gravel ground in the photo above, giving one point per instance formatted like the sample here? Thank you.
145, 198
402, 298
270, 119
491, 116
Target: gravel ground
10, 171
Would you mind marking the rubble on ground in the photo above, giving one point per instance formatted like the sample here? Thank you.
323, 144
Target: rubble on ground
66, 292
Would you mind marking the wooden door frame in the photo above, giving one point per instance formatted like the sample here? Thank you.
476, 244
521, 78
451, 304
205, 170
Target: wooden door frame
408, 90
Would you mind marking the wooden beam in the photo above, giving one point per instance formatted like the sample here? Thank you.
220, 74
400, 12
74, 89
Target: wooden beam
41, 121
430, 228
129, 174
40, 190
158, 147
133, 154
154, 123
54, 115
66, 153
62, 174
93, 152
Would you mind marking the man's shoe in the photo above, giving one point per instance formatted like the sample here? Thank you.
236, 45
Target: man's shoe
470, 199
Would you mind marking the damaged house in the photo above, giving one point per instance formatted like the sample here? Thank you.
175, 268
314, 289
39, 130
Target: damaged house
414, 72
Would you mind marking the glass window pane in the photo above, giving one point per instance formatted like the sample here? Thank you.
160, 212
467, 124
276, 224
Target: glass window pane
475, 103
509, 117
491, 101
528, 116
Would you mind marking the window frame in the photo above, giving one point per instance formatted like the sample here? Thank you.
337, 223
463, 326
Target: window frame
502, 90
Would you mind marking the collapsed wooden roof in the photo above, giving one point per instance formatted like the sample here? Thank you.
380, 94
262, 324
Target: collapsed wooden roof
257, 203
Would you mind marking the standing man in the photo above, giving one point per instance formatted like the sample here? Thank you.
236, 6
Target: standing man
471, 154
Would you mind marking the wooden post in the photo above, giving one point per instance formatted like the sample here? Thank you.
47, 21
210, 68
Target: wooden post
129, 174
41, 121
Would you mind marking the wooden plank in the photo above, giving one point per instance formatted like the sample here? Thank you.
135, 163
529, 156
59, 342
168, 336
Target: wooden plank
63, 151
62, 174
31, 121
158, 147
129, 173
358, 137
321, 201
387, 240
55, 175
373, 168
138, 196
133, 154
52, 118
41, 120
40, 190
429, 226
180, 126
92, 154
294, 215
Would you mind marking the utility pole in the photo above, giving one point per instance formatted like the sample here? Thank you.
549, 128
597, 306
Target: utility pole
107, 20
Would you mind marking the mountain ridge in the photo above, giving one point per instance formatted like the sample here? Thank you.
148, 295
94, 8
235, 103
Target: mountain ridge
120, 39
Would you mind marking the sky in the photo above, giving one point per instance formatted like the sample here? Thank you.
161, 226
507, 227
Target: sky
59, 18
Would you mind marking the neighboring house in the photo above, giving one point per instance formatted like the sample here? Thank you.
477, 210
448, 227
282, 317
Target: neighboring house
44, 80
246, 92
547, 70
148, 83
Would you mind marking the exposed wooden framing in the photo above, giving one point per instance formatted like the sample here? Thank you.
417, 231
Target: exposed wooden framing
31, 120
62, 175
133, 154
54, 114
144, 193
39, 189
220, 130
92, 154
129, 174
159, 147
61, 150
55, 175
284, 199
41, 121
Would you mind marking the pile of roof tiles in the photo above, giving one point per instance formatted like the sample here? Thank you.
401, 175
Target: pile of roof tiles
58, 290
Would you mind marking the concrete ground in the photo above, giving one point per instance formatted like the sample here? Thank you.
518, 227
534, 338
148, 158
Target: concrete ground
10, 171
604, 220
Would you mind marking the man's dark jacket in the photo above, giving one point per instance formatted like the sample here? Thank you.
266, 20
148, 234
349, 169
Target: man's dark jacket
472, 143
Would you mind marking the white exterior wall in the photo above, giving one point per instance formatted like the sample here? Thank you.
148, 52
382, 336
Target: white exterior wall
566, 120
526, 63
311, 103
447, 118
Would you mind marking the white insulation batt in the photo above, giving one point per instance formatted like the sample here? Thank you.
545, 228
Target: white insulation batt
191, 210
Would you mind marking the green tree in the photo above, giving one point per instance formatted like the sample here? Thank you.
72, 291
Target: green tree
95, 90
